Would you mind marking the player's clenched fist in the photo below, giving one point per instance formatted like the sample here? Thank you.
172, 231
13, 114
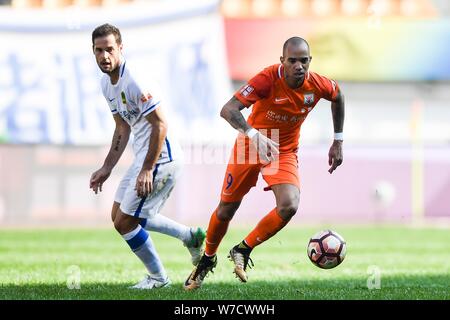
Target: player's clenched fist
267, 148
97, 179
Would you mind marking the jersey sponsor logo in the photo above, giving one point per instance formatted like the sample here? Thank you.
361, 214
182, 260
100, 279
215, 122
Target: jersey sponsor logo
246, 90
145, 97
129, 114
308, 98
296, 118
278, 100
276, 117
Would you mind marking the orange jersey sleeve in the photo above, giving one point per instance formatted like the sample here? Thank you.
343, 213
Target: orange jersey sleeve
257, 88
328, 88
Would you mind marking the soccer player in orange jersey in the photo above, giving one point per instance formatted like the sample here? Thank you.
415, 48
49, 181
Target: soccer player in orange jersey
282, 95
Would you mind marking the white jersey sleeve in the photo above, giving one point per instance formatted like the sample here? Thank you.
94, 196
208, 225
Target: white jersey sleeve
145, 94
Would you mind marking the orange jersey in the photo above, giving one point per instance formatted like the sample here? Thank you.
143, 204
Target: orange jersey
277, 106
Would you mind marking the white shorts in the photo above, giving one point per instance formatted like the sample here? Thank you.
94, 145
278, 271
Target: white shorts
164, 178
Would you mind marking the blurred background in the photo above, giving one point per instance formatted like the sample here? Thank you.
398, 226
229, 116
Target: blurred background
390, 58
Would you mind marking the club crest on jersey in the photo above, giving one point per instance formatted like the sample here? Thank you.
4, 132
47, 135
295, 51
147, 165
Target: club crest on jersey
145, 97
246, 90
308, 98
124, 99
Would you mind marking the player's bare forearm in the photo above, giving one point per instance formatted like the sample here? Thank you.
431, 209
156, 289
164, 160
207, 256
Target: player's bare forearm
335, 155
231, 112
159, 132
118, 145
338, 111
156, 143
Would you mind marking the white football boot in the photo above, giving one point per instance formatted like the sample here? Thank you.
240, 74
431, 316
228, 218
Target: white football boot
149, 283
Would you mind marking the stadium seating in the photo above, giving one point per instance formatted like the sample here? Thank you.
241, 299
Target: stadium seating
305, 8
65, 3
274, 8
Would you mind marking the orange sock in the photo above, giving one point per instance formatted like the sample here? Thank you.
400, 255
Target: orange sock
266, 228
215, 233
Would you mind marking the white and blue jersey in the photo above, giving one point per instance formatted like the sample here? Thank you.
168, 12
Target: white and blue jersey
133, 100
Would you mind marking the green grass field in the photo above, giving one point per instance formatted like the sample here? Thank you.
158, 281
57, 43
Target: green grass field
413, 263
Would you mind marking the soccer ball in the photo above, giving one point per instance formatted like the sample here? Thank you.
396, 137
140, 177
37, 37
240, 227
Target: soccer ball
326, 249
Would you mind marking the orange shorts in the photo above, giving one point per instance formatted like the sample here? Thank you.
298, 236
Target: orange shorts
240, 178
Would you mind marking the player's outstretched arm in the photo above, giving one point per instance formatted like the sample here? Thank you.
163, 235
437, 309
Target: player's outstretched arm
118, 145
335, 155
144, 181
231, 112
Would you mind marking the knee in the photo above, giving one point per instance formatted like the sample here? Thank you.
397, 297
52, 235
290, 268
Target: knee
124, 225
114, 210
119, 226
288, 210
226, 210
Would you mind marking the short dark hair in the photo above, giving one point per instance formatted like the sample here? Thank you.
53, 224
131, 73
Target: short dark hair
105, 30
294, 40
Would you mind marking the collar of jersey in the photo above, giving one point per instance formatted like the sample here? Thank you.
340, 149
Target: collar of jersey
121, 72
122, 68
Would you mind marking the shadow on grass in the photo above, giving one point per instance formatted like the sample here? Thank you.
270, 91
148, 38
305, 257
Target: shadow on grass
408, 287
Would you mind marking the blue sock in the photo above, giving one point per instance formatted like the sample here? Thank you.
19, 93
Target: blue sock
142, 245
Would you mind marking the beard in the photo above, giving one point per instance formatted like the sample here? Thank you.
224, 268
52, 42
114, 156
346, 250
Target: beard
107, 71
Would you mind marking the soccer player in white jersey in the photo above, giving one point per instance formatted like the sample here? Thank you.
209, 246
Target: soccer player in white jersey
150, 179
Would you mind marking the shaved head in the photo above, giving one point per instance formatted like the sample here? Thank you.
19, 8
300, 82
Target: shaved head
295, 41
295, 60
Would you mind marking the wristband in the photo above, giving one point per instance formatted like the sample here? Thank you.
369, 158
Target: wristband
251, 133
339, 136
